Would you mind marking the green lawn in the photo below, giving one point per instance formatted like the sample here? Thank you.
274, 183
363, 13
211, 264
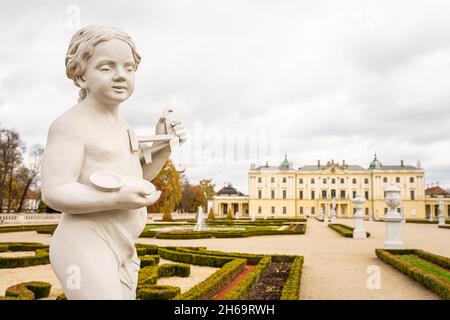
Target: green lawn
426, 266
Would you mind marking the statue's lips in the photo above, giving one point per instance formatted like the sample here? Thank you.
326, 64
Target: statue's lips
119, 88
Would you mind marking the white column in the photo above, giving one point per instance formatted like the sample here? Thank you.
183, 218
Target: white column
393, 219
325, 216
441, 212
359, 232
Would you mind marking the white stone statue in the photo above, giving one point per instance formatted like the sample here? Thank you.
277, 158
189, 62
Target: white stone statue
393, 219
359, 232
333, 211
95, 173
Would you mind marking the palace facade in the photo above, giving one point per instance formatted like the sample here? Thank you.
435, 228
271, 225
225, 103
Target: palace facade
285, 191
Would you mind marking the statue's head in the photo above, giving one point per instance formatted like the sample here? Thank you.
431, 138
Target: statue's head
102, 60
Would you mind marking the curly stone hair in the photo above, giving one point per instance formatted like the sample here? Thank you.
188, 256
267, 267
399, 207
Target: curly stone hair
82, 46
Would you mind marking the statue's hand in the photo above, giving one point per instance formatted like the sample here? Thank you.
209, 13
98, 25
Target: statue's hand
176, 128
137, 195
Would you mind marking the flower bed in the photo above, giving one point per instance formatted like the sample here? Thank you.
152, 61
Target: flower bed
430, 270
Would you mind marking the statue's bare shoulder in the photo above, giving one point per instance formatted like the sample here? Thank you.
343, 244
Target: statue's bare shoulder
69, 125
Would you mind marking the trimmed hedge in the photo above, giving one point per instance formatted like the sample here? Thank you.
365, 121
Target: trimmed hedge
245, 286
344, 230
149, 260
194, 258
148, 275
29, 290
41, 256
424, 221
252, 259
150, 249
291, 288
157, 292
4, 229
444, 227
428, 280
214, 283
174, 270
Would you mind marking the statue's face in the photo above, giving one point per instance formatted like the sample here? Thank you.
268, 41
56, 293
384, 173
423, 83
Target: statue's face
109, 74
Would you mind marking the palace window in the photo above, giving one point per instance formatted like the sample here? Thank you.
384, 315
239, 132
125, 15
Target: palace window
342, 194
342, 181
301, 194
313, 195
272, 180
412, 195
273, 210
301, 210
411, 179
259, 194
259, 210
366, 180
272, 194
397, 180
324, 194
312, 181
333, 181
324, 181
333, 193
312, 210
300, 181
385, 179
284, 210
366, 195
284, 179
284, 194
354, 194
259, 179
367, 211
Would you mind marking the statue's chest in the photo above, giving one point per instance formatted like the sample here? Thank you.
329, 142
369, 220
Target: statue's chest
110, 146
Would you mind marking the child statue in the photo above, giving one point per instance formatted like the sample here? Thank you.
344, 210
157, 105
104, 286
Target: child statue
92, 251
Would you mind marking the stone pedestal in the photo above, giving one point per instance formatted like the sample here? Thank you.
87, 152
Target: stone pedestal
393, 219
359, 232
333, 212
441, 213
320, 215
325, 216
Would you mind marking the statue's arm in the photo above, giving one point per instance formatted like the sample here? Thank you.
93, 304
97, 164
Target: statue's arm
61, 166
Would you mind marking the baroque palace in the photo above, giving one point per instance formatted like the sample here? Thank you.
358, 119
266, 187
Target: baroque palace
284, 191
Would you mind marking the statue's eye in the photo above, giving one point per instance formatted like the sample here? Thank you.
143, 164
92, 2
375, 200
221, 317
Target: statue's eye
105, 69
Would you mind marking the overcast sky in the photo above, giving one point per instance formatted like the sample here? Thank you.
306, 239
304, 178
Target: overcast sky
252, 80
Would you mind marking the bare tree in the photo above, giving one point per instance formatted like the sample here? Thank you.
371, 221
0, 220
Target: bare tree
33, 173
11, 148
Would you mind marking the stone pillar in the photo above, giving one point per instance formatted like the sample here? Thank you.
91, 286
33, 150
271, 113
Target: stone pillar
441, 212
431, 212
393, 219
359, 232
325, 216
333, 211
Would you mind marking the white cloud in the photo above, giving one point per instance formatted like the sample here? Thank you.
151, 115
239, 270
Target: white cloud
334, 80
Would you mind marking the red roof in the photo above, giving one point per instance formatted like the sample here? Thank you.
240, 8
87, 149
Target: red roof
436, 191
32, 195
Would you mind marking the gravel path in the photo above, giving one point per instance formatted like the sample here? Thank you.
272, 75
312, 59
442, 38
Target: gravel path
335, 267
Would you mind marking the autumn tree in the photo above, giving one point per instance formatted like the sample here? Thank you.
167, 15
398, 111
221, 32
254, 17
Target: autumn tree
168, 182
211, 215
208, 188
